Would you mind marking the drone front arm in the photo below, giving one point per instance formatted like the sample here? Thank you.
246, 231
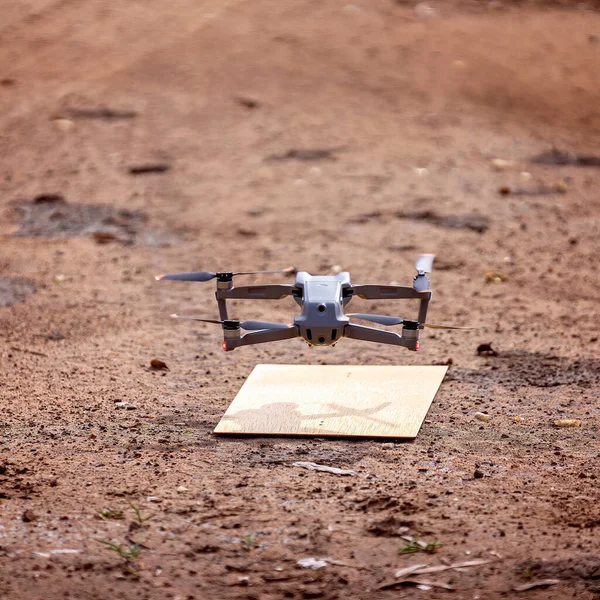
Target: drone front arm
370, 334
255, 292
260, 337
388, 292
395, 292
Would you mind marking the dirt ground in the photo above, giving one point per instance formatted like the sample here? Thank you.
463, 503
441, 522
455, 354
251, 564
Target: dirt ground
148, 136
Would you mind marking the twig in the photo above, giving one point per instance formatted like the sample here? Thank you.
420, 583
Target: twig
34, 352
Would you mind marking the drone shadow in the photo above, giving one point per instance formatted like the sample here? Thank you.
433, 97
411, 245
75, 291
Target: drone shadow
285, 419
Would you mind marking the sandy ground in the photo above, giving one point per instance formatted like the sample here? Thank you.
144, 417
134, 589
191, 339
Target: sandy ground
414, 106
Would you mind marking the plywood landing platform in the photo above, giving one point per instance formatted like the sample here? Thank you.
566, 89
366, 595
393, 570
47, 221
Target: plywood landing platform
348, 401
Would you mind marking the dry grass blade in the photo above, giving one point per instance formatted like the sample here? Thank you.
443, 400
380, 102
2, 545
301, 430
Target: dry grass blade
394, 584
439, 568
536, 583
424, 569
408, 571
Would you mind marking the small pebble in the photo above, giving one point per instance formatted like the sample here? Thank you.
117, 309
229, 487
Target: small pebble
499, 164
482, 416
312, 563
425, 10
63, 124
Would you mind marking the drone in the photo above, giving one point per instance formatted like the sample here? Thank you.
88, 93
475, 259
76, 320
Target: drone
322, 321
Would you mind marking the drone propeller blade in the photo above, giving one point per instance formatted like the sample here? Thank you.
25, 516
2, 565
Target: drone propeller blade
286, 270
385, 320
208, 275
195, 276
424, 263
444, 326
197, 319
381, 319
256, 325
247, 325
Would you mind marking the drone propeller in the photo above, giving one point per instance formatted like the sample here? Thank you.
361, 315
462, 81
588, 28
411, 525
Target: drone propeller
208, 275
385, 320
247, 325
423, 264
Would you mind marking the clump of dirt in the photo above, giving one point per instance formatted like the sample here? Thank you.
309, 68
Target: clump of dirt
15, 289
325, 453
469, 221
474, 222
390, 526
564, 157
50, 215
306, 154
521, 369
586, 568
13, 482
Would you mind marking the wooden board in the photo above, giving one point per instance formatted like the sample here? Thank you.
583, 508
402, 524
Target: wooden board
354, 401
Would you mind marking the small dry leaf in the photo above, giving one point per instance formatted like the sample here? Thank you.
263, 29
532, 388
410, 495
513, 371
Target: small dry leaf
518, 419
482, 416
158, 364
567, 423
560, 186
495, 277
104, 237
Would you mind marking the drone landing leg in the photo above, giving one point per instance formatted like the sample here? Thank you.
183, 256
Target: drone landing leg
222, 305
423, 306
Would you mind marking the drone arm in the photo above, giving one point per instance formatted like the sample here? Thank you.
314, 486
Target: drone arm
255, 292
423, 306
260, 337
370, 334
388, 292
395, 292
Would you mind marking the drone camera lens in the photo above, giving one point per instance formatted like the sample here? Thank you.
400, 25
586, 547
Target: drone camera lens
321, 340
321, 308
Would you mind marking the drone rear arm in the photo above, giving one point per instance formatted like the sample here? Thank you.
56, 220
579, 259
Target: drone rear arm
259, 337
370, 334
250, 292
